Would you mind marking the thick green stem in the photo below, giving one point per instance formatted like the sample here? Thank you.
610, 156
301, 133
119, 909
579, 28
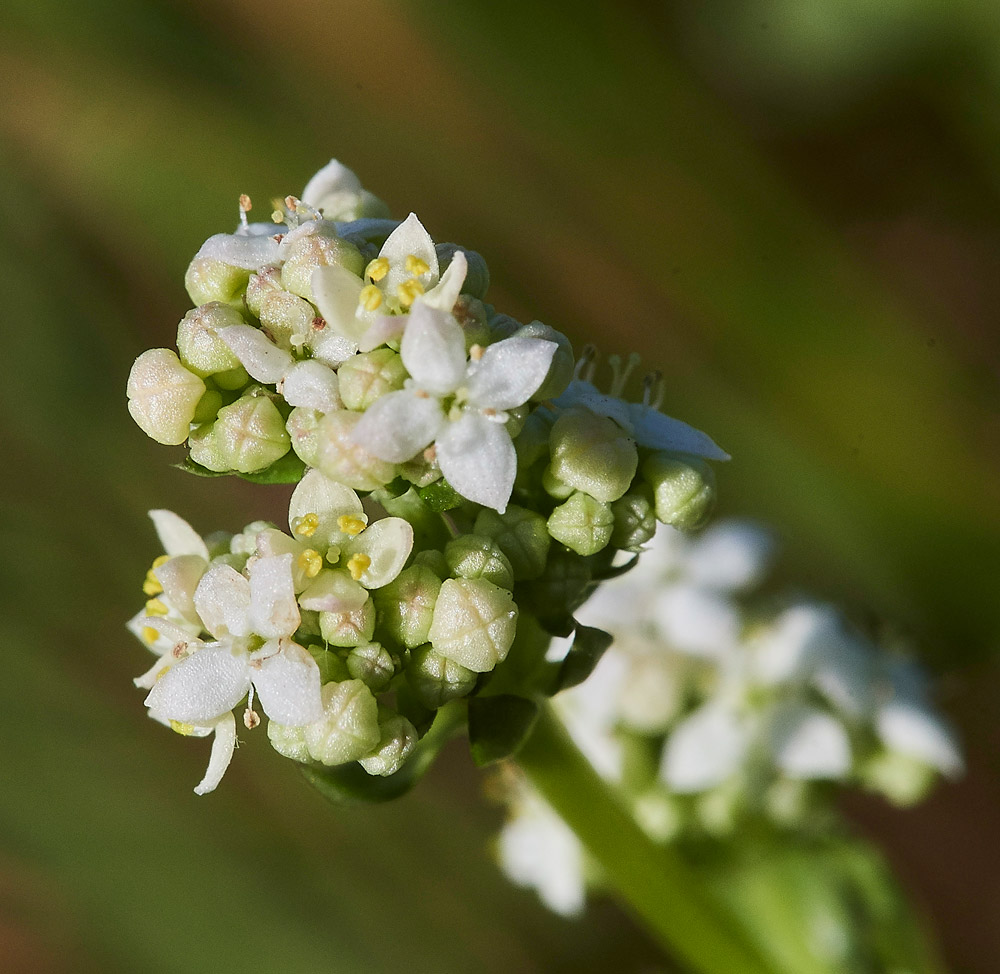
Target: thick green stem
652, 879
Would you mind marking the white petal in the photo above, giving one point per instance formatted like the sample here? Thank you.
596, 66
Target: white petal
201, 688
333, 178
660, 432
176, 535
257, 353
914, 730
223, 600
223, 745
330, 348
273, 609
333, 591
147, 679
317, 494
509, 372
698, 622
399, 425
446, 293
704, 750
730, 556
433, 350
288, 683
180, 577
169, 632
385, 329
409, 238
795, 642
336, 291
580, 393
387, 543
477, 458
249, 251
313, 385
809, 743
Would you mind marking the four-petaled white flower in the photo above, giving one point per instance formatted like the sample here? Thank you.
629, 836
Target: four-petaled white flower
457, 402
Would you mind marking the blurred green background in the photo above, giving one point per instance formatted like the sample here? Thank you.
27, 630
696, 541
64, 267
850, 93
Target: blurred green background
791, 207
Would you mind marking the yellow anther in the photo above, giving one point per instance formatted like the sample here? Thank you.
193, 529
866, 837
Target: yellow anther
149, 634
357, 565
154, 607
162, 560
251, 718
416, 266
351, 524
370, 297
151, 586
476, 352
310, 561
377, 269
277, 216
186, 729
306, 525
245, 205
409, 291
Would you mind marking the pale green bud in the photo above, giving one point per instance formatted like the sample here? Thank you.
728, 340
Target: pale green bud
303, 432
321, 248
560, 372
398, 738
266, 281
163, 396
198, 343
560, 589
232, 379
582, 523
435, 679
369, 376
683, 489
521, 535
332, 668
434, 560
477, 278
373, 664
250, 434
205, 450
208, 407
345, 461
289, 742
593, 453
902, 779
476, 556
474, 623
406, 605
349, 727
245, 543
501, 325
516, 418
208, 279
349, 627
286, 318
635, 519
555, 487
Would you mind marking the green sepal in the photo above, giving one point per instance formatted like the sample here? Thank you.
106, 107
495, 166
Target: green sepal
189, 466
440, 496
498, 726
589, 645
288, 470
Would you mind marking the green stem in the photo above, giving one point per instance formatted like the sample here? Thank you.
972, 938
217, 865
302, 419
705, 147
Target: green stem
652, 879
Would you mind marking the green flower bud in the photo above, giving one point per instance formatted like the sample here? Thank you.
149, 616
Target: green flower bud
470, 313
289, 742
593, 453
163, 396
345, 461
245, 543
521, 535
406, 605
204, 448
435, 679
232, 380
476, 556
583, 524
555, 487
477, 278
303, 432
398, 738
434, 560
266, 281
516, 418
332, 668
208, 279
321, 248
250, 434
474, 623
208, 407
371, 663
635, 519
370, 375
349, 727
286, 318
560, 590
563, 362
902, 779
198, 343
349, 627
683, 488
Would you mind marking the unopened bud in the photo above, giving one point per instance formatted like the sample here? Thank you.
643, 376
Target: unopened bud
372, 663
348, 729
302, 426
163, 396
521, 535
208, 279
593, 454
369, 376
563, 362
474, 623
198, 343
406, 605
343, 460
286, 318
250, 434
435, 679
476, 556
683, 489
635, 519
477, 277
350, 627
902, 779
555, 487
398, 738
289, 742
321, 248
582, 523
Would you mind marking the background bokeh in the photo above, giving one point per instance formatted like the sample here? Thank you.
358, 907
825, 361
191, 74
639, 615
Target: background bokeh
791, 207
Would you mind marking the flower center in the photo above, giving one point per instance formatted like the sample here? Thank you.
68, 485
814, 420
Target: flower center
358, 564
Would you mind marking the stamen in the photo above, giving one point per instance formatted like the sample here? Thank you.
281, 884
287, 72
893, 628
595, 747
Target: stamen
351, 524
652, 390
620, 372
409, 291
180, 728
154, 607
416, 266
358, 564
306, 525
311, 562
149, 634
370, 297
586, 364
277, 216
476, 352
377, 268
318, 323
245, 207
251, 719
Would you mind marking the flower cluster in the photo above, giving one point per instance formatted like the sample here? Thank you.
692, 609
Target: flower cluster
718, 709
462, 484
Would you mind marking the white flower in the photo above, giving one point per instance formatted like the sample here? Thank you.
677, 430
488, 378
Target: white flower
335, 190
458, 404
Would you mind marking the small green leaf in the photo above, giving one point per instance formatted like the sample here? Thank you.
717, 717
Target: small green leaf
189, 466
288, 470
440, 496
589, 645
498, 726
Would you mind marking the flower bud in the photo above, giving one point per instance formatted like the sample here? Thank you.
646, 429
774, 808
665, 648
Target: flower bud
198, 343
370, 375
555, 487
250, 434
372, 663
349, 727
561, 589
232, 380
477, 277
302, 426
582, 523
319, 248
343, 460
474, 623
208, 407
286, 318
434, 560
635, 519
266, 281
163, 396
332, 668
902, 779
349, 627
289, 742
563, 362
521, 535
435, 679
476, 556
593, 454
406, 605
208, 279
683, 488
398, 738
